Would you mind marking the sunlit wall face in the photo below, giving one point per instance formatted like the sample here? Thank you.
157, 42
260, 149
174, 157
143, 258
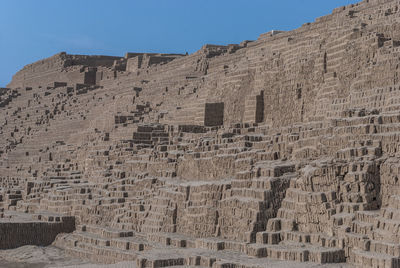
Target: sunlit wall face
32, 30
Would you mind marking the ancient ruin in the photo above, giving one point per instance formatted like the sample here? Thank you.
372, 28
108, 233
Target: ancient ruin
241, 156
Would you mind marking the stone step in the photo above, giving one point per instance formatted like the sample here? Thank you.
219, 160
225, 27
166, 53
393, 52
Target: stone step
106, 255
342, 219
315, 239
346, 207
297, 252
386, 248
357, 241
389, 214
374, 260
268, 237
105, 232
252, 193
366, 216
310, 197
390, 226
362, 227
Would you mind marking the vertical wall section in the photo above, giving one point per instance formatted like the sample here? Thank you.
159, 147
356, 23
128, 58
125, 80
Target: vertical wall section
18, 234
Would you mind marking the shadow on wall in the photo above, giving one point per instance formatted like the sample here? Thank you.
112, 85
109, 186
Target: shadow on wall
214, 114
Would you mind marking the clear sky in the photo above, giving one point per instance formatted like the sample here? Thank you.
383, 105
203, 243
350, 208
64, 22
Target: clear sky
34, 29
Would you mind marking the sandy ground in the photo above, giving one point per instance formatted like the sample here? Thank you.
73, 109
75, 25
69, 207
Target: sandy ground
118, 265
36, 257
48, 257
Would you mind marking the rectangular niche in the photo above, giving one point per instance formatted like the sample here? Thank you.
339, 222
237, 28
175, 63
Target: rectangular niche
260, 107
214, 114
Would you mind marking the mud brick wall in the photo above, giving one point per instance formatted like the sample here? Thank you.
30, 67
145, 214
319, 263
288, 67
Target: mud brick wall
13, 235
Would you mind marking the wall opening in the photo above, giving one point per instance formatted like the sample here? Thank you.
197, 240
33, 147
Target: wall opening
90, 76
260, 107
214, 114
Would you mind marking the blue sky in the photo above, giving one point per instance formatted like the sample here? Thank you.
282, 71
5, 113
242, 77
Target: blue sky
34, 29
